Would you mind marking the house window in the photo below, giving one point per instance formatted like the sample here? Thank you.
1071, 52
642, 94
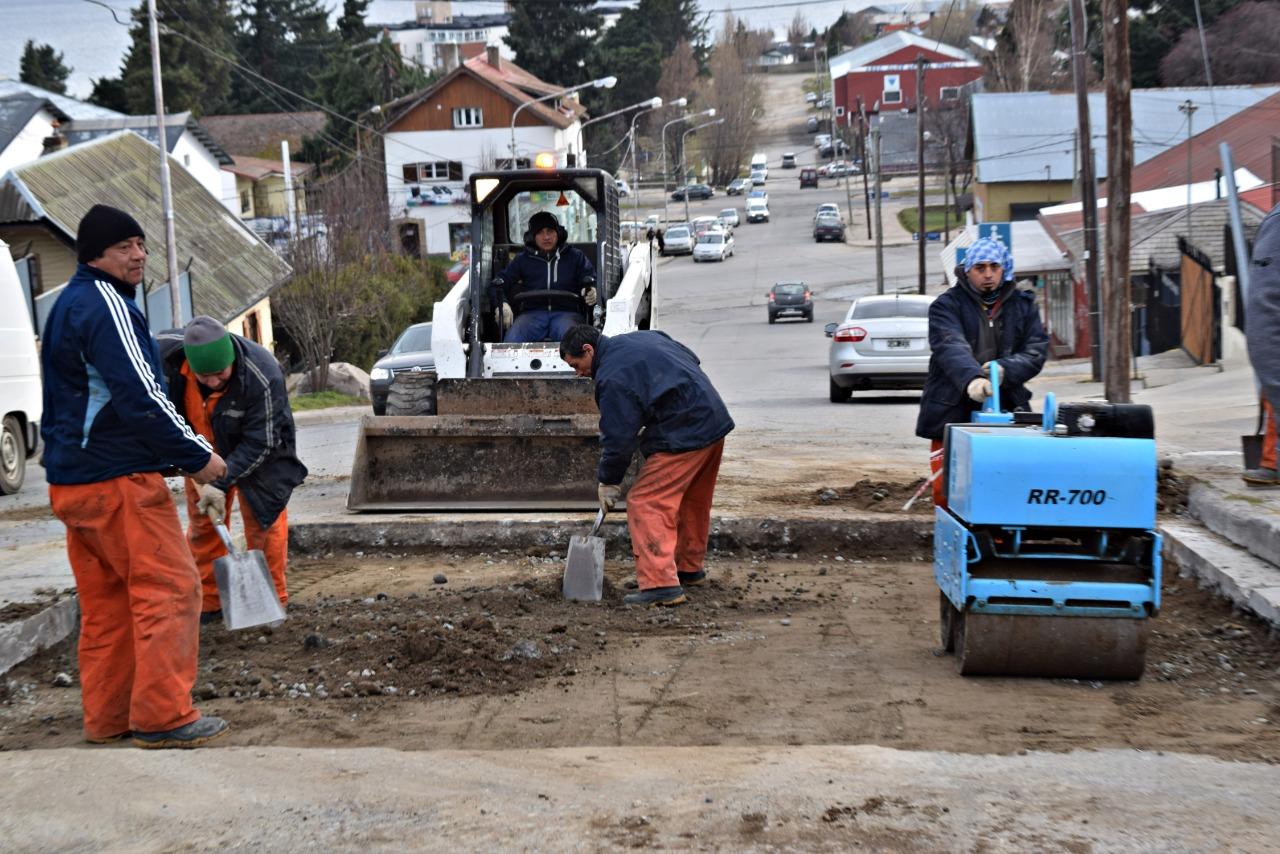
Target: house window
439, 170
468, 117
894, 97
186, 160
949, 93
521, 163
245, 205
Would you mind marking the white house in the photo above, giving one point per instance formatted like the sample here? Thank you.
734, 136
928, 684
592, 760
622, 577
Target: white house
188, 143
435, 139
26, 121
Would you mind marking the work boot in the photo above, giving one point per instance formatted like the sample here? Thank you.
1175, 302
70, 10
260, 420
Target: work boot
207, 617
664, 597
195, 734
692, 579
1262, 477
108, 739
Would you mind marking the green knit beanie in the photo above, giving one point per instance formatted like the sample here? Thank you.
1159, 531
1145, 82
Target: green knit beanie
207, 345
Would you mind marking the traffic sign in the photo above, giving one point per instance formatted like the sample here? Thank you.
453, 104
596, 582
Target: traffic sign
999, 231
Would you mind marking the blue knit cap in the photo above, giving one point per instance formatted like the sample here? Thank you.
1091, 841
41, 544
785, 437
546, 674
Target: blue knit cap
989, 251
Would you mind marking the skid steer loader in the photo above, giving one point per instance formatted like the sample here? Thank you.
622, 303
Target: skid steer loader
505, 426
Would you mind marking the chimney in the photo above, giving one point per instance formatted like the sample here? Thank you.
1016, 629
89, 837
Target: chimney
54, 141
493, 56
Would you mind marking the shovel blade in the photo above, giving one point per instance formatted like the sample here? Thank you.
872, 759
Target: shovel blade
246, 590
584, 569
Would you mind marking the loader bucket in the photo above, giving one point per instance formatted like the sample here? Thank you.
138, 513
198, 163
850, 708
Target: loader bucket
476, 462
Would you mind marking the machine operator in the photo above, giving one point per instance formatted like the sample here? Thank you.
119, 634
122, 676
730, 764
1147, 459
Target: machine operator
547, 263
982, 319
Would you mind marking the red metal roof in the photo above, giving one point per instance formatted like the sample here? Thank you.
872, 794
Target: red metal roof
1250, 133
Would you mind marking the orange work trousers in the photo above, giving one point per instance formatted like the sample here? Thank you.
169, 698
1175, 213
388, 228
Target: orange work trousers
1269, 437
937, 462
139, 604
669, 514
206, 545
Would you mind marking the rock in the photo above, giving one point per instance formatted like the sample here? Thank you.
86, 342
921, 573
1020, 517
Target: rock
314, 641
827, 496
527, 649
368, 688
439, 578
208, 691
343, 377
62, 680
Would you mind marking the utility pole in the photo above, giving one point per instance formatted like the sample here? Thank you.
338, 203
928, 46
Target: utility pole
1189, 108
848, 194
866, 162
920, 166
875, 152
1088, 185
946, 197
166, 189
1119, 166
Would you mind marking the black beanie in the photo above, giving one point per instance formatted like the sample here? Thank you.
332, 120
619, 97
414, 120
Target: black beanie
101, 227
541, 220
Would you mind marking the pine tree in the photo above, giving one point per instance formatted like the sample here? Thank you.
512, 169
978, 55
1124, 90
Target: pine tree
288, 42
42, 66
553, 40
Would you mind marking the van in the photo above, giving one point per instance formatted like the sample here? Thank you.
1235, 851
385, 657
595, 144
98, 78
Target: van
759, 161
789, 160
808, 177
21, 401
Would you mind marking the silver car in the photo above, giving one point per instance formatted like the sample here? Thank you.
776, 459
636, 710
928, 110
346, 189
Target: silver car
677, 240
883, 342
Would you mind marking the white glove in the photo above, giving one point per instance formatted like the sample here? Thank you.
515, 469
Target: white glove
609, 495
507, 317
589, 297
212, 502
986, 369
979, 389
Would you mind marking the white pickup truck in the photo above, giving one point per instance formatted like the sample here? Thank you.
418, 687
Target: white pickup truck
21, 401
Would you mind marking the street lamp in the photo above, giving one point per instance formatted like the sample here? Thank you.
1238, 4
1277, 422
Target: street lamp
709, 113
654, 104
648, 102
682, 169
601, 83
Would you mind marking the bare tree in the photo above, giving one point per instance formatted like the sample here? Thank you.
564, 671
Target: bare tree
1024, 58
735, 93
955, 25
850, 31
1241, 46
679, 80
948, 128
797, 32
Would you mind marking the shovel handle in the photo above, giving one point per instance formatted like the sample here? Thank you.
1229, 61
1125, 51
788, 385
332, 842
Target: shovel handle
225, 536
599, 521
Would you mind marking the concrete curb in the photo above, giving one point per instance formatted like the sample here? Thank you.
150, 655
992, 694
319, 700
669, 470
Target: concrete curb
1237, 518
1250, 583
853, 536
21, 639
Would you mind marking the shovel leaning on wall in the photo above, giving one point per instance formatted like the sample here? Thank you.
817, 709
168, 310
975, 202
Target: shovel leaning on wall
244, 585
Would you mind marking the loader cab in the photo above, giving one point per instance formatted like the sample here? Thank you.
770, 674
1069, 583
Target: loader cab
584, 201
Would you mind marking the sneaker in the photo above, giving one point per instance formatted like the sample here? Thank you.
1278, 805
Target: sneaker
656, 596
1262, 477
195, 734
692, 579
108, 739
207, 617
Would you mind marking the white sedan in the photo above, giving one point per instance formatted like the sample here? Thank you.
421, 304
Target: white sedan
713, 245
883, 342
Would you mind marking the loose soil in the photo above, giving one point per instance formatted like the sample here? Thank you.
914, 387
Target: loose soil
819, 649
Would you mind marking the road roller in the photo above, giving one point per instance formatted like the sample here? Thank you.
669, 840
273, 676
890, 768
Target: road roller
1045, 552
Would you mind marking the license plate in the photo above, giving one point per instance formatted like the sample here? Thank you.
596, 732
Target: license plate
898, 343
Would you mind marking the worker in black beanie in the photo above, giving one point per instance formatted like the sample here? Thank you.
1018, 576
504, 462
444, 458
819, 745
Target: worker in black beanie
104, 226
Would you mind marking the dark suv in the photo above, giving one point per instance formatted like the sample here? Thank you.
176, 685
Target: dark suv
411, 352
790, 299
828, 226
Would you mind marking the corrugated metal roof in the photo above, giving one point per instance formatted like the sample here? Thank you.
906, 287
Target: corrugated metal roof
83, 130
1016, 135
73, 108
231, 269
1250, 133
258, 134
868, 53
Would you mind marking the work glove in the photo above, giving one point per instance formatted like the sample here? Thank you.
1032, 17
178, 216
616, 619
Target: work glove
504, 316
212, 502
589, 296
979, 389
609, 495
986, 369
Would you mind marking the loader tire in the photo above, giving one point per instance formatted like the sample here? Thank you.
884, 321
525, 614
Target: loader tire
412, 393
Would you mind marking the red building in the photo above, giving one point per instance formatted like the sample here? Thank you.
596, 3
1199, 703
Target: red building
883, 74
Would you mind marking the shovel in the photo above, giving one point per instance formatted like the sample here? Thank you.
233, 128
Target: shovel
244, 586
584, 568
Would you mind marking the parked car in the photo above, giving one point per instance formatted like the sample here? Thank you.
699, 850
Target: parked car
790, 299
788, 160
828, 226
713, 245
695, 191
811, 97
829, 148
624, 189
738, 186
758, 177
883, 342
729, 216
808, 177
703, 224
826, 207
677, 240
822, 103
757, 210
811, 124
410, 352
821, 140
838, 169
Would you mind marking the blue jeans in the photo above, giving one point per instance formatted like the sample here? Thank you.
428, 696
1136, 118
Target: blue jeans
532, 326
